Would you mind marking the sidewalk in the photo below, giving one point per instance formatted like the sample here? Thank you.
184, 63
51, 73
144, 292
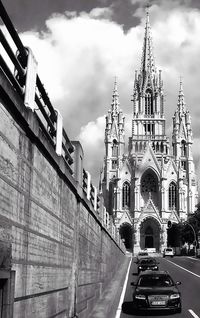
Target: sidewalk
107, 304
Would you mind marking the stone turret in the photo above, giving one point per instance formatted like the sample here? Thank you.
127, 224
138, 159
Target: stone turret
114, 138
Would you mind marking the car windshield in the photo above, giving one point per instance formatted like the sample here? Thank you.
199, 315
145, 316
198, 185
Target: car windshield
169, 249
147, 261
155, 281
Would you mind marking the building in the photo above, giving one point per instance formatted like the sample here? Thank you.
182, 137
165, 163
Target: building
153, 182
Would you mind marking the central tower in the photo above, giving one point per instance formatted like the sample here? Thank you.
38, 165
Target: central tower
148, 122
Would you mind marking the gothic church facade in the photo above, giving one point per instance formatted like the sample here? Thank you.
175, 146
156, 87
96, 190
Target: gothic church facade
152, 183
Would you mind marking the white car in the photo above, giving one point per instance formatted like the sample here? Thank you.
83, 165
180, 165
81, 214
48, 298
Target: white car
168, 252
141, 254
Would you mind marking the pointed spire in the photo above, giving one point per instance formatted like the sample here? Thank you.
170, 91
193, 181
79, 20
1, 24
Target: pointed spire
181, 98
148, 63
115, 98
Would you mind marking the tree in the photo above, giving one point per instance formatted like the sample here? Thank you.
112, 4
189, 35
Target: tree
194, 221
174, 235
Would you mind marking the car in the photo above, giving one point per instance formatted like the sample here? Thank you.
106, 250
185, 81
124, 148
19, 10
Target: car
148, 263
156, 290
168, 252
141, 254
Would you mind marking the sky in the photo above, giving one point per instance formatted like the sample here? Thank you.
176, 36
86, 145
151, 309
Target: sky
81, 45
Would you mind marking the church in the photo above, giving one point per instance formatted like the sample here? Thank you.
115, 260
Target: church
154, 181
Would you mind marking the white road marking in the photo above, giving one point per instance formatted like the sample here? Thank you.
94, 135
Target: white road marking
183, 268
119, 308
193, 313
194, 259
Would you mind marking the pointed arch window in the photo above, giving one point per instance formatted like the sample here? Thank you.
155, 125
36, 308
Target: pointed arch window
148, 102
183, 148
172, 196
114, 148
126, 195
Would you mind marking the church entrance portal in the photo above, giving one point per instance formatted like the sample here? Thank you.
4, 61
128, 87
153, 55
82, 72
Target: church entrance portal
150, 234
149, 242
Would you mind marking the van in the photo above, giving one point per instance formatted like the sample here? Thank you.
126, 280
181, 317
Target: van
168, 252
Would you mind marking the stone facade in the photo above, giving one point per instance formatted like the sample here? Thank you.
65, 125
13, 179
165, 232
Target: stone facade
152, 183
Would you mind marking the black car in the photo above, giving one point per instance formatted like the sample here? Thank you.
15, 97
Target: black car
146, 264
156, 291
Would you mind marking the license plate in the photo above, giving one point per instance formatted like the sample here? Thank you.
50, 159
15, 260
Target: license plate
158, 303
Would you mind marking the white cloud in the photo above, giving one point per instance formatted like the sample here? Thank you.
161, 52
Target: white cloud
92, 139
79, 55
105, 13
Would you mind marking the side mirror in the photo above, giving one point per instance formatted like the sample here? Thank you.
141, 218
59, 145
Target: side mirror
178, 283
133, 283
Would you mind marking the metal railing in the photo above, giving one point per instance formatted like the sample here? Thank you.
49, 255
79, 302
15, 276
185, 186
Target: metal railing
90, 191
43, 109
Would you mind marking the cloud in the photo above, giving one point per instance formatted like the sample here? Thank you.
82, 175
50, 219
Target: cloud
79, 55
92, 139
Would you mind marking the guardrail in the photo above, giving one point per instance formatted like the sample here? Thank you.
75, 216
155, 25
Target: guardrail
26, 82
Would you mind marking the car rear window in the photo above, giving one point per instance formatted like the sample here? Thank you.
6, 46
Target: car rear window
147, 261
142, 254
155, 281
169, 250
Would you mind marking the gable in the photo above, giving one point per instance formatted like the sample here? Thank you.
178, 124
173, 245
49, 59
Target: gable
125, 219
149, 160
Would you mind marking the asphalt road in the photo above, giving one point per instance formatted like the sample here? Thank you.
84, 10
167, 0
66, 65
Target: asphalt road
181, 268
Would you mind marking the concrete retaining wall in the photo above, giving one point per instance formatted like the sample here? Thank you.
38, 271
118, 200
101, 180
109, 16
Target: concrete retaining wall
61, 254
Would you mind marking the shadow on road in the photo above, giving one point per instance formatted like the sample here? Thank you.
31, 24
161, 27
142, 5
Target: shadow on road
128, 308
135, 273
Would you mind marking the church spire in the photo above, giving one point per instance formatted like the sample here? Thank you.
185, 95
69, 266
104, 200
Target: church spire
181, 98
147, 63
115, 99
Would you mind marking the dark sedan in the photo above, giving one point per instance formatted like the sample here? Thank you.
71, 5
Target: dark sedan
156, 291
146, 264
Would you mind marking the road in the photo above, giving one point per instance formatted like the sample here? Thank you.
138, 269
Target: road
184, 269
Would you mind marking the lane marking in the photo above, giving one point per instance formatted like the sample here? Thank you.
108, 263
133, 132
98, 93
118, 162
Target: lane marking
193, 313
183, 268
119, 308
195, 259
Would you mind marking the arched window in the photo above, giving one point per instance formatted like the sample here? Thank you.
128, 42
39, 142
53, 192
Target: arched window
148, 102
183, 148
172, 196
114, 148
149, 187
126, 195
